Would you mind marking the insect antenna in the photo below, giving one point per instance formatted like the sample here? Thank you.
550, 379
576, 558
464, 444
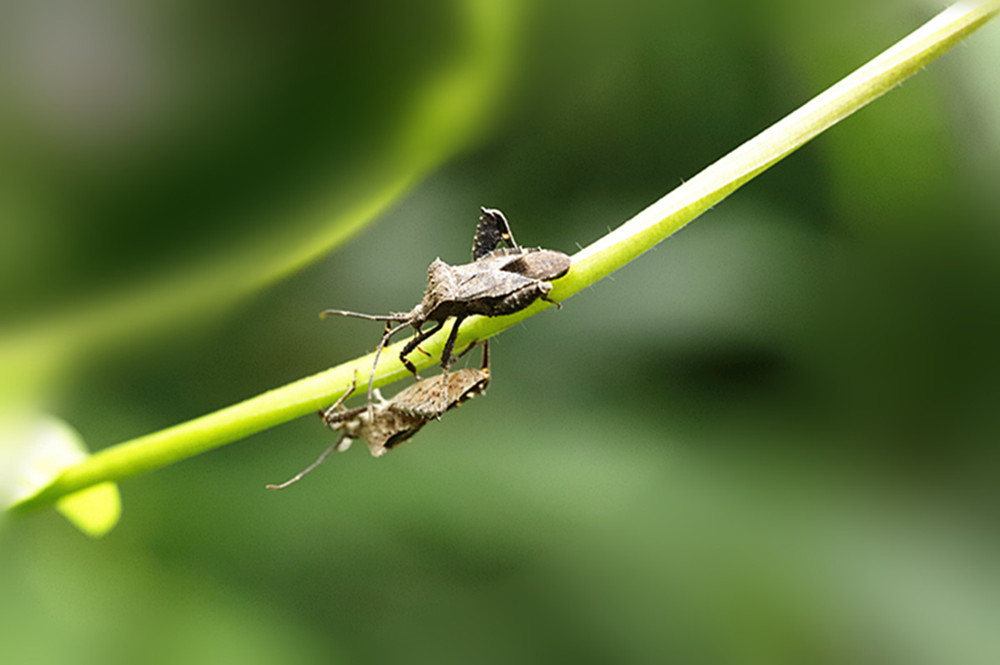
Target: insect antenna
370, 317
319, 460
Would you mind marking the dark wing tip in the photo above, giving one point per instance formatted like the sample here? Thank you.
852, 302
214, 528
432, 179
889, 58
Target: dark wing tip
491, 230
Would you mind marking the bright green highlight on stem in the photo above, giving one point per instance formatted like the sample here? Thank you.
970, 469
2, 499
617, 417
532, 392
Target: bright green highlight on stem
598, 260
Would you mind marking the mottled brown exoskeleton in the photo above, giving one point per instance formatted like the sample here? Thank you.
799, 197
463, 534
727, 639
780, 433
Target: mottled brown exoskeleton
497, 282
393, 422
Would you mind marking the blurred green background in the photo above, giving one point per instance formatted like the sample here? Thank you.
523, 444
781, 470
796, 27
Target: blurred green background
771, 440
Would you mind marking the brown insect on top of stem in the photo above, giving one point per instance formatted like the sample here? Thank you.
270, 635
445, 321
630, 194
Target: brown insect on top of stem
497, 282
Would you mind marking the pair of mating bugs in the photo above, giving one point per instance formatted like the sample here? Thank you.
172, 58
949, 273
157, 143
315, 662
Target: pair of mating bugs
498, 281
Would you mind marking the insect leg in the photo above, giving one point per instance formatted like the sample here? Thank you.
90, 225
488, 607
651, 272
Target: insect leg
327, 414
470, 347
547, 299
333, 419
319, 460
446, 360
449, 345
486, 353
386, 336
486, 356
413, 344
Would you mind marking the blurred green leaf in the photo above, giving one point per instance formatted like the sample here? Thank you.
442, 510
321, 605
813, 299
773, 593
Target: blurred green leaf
34, 452
166, 159
95, 510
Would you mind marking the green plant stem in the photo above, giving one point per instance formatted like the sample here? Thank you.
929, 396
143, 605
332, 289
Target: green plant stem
598, 260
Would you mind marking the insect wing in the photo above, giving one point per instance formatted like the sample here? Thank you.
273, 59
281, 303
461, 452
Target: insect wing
491, 230
423, 399
543, 264
484, 280
400, 437
388, 429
